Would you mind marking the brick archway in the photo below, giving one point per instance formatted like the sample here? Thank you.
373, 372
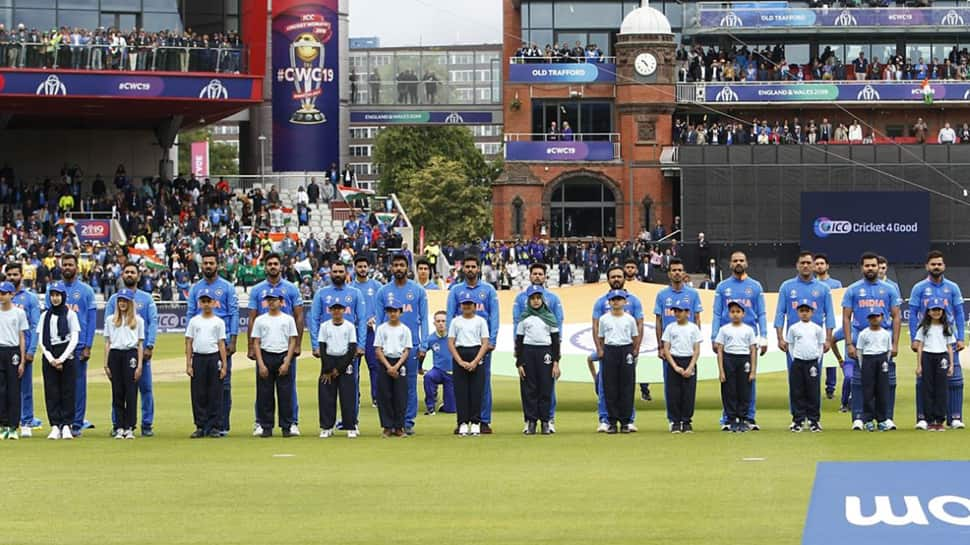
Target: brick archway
582, 174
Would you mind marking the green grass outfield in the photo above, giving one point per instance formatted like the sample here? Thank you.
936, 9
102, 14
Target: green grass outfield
574, 487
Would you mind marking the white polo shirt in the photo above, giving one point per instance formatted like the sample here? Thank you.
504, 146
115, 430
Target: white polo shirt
124, 337
468, 332
393, 339
617, 330
805, 340
682, 338
337, 337
206, 334
274, 332
12, 323
736, 340
934, 341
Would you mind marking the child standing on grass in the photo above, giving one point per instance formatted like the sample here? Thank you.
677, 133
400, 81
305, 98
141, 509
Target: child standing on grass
392, 343
806, 344
618, 363
58, 331
337, 340
124, 336
274, 343
537, 359
875, 346
736, 345
682, 346
205, 364
468, 343
13, 323
934, 362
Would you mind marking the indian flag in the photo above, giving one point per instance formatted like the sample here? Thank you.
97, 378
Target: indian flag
353, 193
927, 91
147, 257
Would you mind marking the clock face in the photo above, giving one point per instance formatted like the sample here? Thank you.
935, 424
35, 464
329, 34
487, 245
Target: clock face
645, 64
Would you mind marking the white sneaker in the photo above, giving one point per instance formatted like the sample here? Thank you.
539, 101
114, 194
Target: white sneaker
857, 425
326, 433
463, 430
632, 427
129, 434
353, 433
26, 432
257, 430
294, 430
724, 427
55, 433
890, 425
552, 427
602, 427
66, 433
476, 429
957, 424
922, 425
119, 433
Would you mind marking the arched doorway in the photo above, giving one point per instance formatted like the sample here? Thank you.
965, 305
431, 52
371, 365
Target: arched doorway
582, 206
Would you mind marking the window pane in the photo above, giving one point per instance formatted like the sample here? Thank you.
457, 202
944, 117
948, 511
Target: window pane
541, 15
74, 4
837, 49
915, 52
232, 7
570, 38
602, 41
674, 13
541, 38
6, 17
77, 18
588, 15
852, 52
584, 192
121, 5
525, 14
41, 19
35, 4
798, 53
170, 6
941, 51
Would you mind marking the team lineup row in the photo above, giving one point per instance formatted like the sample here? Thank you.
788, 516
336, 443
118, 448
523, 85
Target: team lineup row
356, 318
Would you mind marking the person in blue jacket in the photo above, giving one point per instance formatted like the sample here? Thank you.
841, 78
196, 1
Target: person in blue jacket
663, 310
368, 288
441, 368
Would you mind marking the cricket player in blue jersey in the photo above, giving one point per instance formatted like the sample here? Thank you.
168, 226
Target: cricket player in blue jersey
225, 305
293, 305
663, 310
354, 312
26, 300
883, 269
146, 308
747, 292
486, 307
414, 313
862, 297
793, 293
850, 379
442, 365
79, 297
368, 288
822, 274
537, 277
936, 286
424, 277
616, 278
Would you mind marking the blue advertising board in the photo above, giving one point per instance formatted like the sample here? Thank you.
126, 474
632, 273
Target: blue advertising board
423, 117
773, 17
306, 85
827, 91
61, 84
889, 503
844, 225
559, 151
562, 73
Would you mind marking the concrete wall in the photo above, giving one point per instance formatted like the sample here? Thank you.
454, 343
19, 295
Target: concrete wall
36, 154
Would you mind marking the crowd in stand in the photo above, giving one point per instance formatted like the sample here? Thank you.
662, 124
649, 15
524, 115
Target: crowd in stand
739, 64
558, 53
113, 49
687, 132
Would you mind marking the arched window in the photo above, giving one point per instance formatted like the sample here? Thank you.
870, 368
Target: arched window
581, 207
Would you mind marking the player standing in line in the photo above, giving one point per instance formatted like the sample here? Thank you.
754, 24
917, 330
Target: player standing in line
617, 337
681, 342
291, 305
615, 277
736, 345
13, 347
26, 300
747, 292
822, 275
424, 278
883, 269
274, 337
226, 306
850, 377
336, 342
664, 315
537, 277
146, 308
935, 285
206, 365
365, 347
537, 338
393, 344
124, 337
630, 270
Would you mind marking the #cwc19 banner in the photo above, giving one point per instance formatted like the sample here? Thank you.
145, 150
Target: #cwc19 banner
306, 85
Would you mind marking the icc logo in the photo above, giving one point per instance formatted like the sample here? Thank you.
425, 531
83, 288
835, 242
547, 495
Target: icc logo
726, 94
454, 118
215, 90
952, 18
868, 93
731, 20
845, 19
824, 227
51, 86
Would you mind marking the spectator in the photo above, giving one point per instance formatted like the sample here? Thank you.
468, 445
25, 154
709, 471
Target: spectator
920, 130
947, 135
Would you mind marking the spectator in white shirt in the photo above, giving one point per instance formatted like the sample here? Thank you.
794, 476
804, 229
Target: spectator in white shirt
947, 135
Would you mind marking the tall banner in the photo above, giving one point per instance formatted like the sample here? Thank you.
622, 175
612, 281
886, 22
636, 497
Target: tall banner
200, 159
306, 89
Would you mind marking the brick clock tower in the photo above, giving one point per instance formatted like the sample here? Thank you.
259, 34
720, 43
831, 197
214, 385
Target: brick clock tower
547, 188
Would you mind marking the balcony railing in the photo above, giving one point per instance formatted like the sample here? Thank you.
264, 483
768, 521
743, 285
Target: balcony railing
130, 58
425, 92
861, 92
562, 147
714, 17
600, 59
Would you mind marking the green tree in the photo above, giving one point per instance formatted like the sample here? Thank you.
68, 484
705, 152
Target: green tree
440, 197
223, 158
400, 151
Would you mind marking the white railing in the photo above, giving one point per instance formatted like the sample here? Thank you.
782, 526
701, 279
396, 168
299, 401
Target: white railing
562, 60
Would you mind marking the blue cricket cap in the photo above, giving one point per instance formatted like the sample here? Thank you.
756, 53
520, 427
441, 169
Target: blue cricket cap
465, 297
618, 294
680, 304
805, 303
273, 293
125, 294
533, 289
337, 304
935, 302
58, 287
6, 287
393, 304
204, 293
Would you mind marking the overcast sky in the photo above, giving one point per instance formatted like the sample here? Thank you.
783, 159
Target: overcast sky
427, 22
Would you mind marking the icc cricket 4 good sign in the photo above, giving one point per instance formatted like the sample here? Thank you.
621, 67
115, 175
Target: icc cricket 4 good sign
306, 97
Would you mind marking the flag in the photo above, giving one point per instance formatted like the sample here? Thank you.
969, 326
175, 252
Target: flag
353, 193
927, 92
147, 257
153, 264
385, 217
